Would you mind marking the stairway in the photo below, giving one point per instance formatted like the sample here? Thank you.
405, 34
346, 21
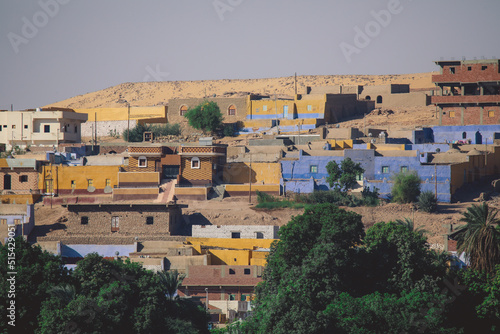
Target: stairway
168, 190
217, 192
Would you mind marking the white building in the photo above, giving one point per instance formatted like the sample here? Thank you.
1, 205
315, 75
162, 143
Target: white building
40, 127
235, 231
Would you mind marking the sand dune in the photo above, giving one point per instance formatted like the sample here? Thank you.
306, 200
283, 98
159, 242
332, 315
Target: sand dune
158, 93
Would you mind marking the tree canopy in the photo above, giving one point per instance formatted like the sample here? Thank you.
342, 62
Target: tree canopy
406, 187
205, 116
343, 176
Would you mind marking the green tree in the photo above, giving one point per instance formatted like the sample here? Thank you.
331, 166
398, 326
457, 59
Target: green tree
343, 176
170, 282
479, 239
314, 261
37, 271
205, 116
406, 187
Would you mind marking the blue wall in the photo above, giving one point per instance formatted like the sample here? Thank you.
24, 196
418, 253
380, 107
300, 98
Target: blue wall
446, 134
103, 250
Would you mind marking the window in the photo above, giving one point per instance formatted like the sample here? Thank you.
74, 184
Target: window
452, 114
23, 178
5, 126
309, 107
313, 169
404, 169
231, 272
1, 127
464, 135
259, 235
108, 182
195, 163
76, 129
183, 110
90, 183
491, 113
3, 221
368, 97
115, 224
235, 235
17, 221
359, 177
452, 70
84, 220
246, 271
149, 220
142, 162
231, 111
257, 110
26, 126
385, 169
483, 68
264, 108
379, 99
48, 186
73, 184
46, 128
469, 68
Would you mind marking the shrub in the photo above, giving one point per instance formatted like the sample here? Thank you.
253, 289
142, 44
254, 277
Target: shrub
228, 130
165, 130
135, 134
370, 198
406, 187
427, 202
264, 197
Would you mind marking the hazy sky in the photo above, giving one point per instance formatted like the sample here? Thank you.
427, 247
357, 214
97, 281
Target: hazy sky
51, 50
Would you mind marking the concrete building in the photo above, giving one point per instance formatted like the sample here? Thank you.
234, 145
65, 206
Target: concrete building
18, 219
235, 231
468, 92
46, 127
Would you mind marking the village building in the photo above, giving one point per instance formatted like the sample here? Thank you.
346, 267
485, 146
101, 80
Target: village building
468, 92
18, 219
19, 180
47, 127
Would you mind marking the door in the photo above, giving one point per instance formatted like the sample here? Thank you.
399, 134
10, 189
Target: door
285, 112
170, 171
7, 182
115, 224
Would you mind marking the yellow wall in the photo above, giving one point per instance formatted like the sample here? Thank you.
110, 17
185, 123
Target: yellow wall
191, 191
269, 173
19, 199
259, 123
63, 175
271, 110
255, 187
135, 191
137, 177
249, 244
121, 114
297, 121
340, 144
230, 257
387, 147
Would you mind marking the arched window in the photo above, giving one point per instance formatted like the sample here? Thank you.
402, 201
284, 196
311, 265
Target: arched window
184, 109
231, 111
379, 99
195, 163
368, 97
464, 135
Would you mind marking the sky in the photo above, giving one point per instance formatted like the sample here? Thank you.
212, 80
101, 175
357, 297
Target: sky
51, 50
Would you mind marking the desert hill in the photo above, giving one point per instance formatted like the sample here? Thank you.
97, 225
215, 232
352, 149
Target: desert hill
158, 93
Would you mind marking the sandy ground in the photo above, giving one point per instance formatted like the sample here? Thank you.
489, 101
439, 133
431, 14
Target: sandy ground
158, 93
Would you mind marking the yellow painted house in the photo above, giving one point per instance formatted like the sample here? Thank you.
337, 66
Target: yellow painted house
78, 180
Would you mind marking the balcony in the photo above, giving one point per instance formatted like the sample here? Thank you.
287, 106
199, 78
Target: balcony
465, 99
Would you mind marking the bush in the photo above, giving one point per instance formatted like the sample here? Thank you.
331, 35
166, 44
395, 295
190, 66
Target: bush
136, 133
427, 202
265, 198
370, 198
228, 130
406, 187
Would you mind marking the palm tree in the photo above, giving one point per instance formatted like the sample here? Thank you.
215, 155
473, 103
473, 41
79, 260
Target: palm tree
64, 293
170, 282
479, 239
408, 222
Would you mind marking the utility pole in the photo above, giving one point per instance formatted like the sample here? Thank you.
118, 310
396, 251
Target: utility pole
128, 122
95, 127
250, 180
295, 83
435, 181
276, 113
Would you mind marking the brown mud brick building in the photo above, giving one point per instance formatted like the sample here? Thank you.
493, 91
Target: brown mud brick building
19, 180
132, 220
468, 92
